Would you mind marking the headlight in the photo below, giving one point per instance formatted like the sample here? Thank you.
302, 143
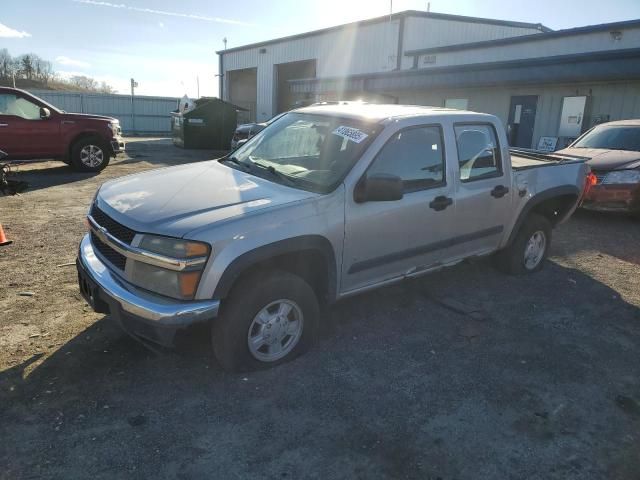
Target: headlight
622, 176
115, 128
166, 281
174, 247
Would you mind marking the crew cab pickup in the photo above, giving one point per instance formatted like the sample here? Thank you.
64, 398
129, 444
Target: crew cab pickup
30, 128
326, 202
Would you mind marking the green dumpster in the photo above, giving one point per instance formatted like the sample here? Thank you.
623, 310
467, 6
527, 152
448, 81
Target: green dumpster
209, 125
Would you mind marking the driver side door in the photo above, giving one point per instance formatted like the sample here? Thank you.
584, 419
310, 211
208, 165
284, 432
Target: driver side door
23, 133
385, 240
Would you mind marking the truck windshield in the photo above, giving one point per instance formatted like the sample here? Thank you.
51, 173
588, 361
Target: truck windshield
611, 138
312, 152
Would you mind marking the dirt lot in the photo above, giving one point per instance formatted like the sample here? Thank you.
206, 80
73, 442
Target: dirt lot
537, 377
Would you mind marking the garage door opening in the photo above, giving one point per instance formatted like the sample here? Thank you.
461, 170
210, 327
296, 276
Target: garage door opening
290, 71
243, 91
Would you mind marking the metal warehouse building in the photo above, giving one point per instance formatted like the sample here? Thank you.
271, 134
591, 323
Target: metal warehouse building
545, 85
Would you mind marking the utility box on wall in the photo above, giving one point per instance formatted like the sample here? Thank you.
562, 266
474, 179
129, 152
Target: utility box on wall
573, 119
572, 116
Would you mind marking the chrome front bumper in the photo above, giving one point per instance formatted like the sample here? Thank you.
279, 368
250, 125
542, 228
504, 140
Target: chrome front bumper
141, 313
118, 146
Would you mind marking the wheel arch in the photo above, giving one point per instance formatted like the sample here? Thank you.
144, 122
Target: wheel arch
553, 204
82, 135
310, 256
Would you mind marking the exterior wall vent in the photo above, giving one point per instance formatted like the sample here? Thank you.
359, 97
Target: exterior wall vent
428, 59
262, 50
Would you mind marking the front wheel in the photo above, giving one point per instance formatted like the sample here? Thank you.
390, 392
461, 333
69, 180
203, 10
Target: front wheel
530, 248
89, 155
267, 319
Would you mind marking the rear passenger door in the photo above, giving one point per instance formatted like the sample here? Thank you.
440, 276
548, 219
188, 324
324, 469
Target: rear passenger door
388, 239
483, 195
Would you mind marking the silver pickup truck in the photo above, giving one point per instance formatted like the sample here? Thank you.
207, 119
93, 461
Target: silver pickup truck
327, 202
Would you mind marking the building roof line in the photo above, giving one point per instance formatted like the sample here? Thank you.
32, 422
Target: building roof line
385, 18
534, 37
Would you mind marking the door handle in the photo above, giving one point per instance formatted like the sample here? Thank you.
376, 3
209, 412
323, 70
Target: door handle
4, 124
499, 191
440, 203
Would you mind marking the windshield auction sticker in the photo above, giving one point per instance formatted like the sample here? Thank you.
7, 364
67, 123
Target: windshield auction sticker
349, 133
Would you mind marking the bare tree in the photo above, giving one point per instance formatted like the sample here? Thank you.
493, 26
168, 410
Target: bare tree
43, 69
106, 88
34, 68
83, 82
6, 64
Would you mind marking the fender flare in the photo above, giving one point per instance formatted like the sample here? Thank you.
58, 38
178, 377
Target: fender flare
316, 243
536, 200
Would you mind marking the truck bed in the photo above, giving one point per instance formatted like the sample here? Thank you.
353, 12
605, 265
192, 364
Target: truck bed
524, 159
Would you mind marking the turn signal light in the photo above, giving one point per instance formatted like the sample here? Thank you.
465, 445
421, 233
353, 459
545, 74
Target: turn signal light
189, 283
194, 249
589, 182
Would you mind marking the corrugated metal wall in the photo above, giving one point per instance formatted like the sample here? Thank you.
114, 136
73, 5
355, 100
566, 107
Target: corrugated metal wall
149, 115
355, 50
429, 33
575, 44
620, 101
369, 48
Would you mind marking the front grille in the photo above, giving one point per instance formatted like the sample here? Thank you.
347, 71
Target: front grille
116, 229
600, 176
113, 257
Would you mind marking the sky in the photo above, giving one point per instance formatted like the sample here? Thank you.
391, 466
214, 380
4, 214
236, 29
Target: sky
168, 45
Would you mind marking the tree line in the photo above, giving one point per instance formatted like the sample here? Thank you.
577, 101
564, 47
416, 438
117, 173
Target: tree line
34, 70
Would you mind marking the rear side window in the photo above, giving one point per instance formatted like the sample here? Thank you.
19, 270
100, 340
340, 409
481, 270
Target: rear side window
415, 155
478, 152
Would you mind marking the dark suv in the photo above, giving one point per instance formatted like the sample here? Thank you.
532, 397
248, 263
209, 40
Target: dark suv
30, 128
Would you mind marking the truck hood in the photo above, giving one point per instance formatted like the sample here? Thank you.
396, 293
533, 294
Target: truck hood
176, 200
605, 159
87, 116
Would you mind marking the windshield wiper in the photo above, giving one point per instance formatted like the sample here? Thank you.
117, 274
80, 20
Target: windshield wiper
242, 165
274, 172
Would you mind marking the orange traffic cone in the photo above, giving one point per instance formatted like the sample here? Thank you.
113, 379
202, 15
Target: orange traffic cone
3, 238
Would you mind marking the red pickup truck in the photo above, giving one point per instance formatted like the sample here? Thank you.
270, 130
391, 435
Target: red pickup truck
30, 128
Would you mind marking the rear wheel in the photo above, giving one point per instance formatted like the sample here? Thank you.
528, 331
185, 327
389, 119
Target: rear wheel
89, 155
268, 319
530, 248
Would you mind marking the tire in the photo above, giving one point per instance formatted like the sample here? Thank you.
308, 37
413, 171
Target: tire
89, 154
516, 259
249, 314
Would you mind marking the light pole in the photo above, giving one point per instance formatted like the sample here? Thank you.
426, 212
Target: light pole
134, 84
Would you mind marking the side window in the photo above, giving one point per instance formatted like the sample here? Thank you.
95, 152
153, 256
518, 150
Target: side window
478, 151
11, 104
415, 155
6, 99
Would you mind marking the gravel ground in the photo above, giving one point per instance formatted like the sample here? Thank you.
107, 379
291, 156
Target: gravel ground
530, 377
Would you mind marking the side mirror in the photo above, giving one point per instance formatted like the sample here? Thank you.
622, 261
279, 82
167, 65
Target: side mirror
379, 187
3, 154
44, 113
240, 143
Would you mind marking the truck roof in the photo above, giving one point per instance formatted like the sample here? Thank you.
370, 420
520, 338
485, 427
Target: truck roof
380, 112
